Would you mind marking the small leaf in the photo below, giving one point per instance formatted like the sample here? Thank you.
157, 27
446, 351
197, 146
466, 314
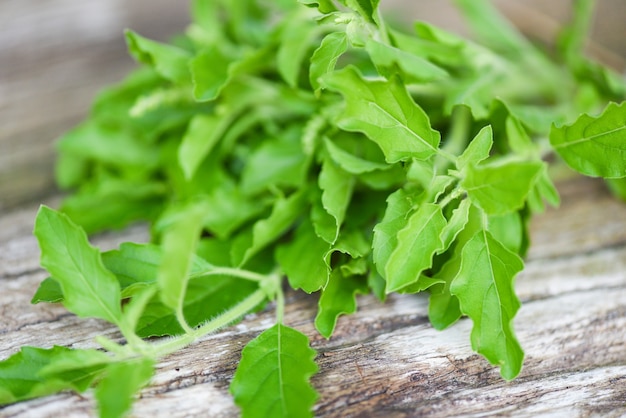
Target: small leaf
350, 162
181, 233
89, 289
484, 286
210, 72
22, 375
478, 149
205, 298
296, 37
324, 59
276, 162
272, 379
418, 241
169, 61
284, 213
455, 224
594, 146
385, 232
384, 111
412, 68
337, 187
302, 259
203, 133
502, 187
49, 290
122, 381
338, 298
366, 8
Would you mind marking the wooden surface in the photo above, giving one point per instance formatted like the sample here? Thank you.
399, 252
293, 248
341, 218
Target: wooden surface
386, 360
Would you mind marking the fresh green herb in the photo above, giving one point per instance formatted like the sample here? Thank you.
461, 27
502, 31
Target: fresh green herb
311, 143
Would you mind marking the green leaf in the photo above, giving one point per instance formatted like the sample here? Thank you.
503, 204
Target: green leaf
384, 111
272, 379
123, 380
181, 233
390, 61
93, 140
324, 6
35, 372
385, 232
366, 8
443, 307
455, 225
492, 28
169, 61
49, 290
418, 241
229, 207
594, 146
478, 149
276, 162
508, 230
337, 187
110, 203
202, 135
89, 289
484, 286
338, 298
205, 298
351, 163
296, 37
302, 259
325, 57
501, 187
284, 213
210, 73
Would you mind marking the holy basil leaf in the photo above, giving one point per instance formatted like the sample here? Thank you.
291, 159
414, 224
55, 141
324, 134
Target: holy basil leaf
455, 224
272, 379
325, 57
412, 68
296, 38
285, 212
484, 287
594, 146
210, 72
35, 372
181, 233
324, 6
338, 298
501, 187
385, 232
337, 187
89, 289
478, 149
384, 111
205, 298
169, 61
350, 162
121, 382
302, 259
202, 135
418, 241
49, 290
276, 162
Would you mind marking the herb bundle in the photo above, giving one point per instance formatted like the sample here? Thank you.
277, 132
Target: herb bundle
311, 144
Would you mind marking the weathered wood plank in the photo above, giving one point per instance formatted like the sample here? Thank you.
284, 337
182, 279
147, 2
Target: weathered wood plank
386, 360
